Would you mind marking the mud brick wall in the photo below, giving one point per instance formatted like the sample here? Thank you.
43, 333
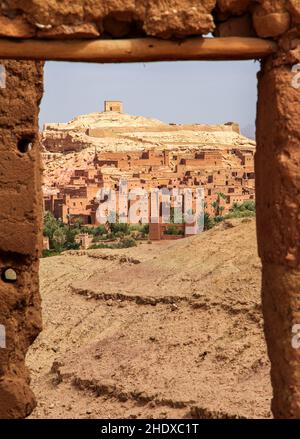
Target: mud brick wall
20, 230
278, 220
56, 19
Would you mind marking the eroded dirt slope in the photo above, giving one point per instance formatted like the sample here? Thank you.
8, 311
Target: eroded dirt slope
162, 330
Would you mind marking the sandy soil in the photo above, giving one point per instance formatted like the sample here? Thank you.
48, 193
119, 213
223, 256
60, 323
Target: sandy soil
164, 330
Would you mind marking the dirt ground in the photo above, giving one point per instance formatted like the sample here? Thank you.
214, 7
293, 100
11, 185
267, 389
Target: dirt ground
171, 329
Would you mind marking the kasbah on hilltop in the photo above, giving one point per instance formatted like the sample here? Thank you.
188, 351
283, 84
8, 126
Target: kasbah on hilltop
98, 150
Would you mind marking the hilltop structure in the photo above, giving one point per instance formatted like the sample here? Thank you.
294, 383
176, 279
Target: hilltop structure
113, 106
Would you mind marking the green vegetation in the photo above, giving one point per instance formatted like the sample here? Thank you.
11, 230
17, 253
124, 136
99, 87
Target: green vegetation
217, 205
62, 236
125, 243
243, 210
173, 230
238, 210
209, 221
48, 253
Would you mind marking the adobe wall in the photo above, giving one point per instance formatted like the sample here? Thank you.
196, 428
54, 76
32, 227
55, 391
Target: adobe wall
113, 106
20, 231
278, 222
158, 18
277, 161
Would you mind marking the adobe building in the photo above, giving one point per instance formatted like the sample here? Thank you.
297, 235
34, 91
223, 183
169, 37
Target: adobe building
216, 171
159, 231
84, 240
268, 31
116, 106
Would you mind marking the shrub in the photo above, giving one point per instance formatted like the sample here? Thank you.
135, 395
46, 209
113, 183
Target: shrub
120, 227
47, 253
142, 228
128, 242
88, 230
59, 239
125, 243
100, 230
173, 230
72, 246
218, 219
119, 235
209, 222
96, 246
243, 210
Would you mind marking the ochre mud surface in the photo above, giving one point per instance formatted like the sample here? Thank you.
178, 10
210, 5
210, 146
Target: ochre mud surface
164, 330
278, 188
20, 227
159, 18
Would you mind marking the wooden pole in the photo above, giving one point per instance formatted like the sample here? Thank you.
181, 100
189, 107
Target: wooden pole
137, 50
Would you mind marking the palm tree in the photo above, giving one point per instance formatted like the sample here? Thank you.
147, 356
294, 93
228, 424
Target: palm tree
217, 204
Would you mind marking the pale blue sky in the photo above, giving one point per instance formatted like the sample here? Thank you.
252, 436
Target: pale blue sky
180, 92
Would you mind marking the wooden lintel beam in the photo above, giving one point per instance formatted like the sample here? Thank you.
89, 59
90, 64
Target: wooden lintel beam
138, 49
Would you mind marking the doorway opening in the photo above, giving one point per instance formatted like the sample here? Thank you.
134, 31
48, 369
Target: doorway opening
142, 319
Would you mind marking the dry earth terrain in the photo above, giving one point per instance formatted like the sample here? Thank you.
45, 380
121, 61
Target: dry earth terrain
70, 146
171, 329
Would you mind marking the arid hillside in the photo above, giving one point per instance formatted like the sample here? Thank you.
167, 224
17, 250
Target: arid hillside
169, 329
72, 145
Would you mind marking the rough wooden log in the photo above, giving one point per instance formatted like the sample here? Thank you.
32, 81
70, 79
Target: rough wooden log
139, 49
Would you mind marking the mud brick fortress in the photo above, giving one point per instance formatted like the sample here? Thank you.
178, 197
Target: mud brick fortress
218, 168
